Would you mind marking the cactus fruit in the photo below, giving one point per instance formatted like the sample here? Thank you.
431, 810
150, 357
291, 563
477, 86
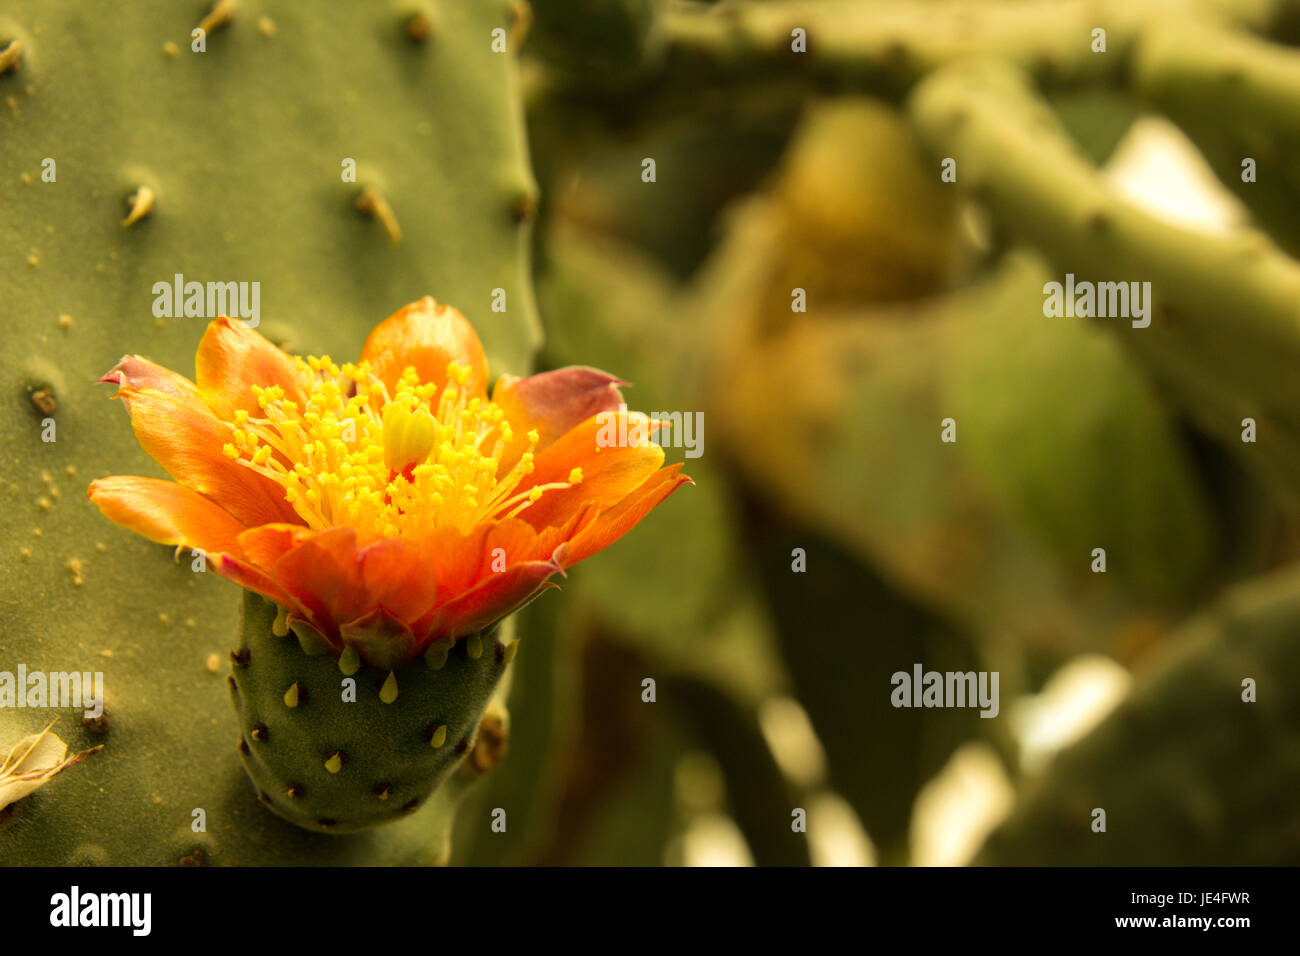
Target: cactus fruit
335, 749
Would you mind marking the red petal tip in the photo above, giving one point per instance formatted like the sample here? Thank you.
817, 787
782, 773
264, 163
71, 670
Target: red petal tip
114, 375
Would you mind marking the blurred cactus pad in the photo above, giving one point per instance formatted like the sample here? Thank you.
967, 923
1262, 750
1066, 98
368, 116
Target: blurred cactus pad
822, 234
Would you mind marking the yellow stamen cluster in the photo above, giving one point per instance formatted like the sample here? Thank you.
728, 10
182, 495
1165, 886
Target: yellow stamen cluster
389, 465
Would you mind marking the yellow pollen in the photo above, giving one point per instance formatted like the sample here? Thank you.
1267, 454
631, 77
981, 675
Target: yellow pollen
402, 464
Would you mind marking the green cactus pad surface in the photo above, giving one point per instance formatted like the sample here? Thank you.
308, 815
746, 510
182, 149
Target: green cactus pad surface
243, 148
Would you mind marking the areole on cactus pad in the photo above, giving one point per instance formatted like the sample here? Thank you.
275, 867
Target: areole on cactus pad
387, 509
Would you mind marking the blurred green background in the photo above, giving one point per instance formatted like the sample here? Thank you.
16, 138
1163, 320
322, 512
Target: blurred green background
1120, 691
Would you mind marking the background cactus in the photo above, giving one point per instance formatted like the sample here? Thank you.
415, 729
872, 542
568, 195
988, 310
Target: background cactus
1182, 741
798, 146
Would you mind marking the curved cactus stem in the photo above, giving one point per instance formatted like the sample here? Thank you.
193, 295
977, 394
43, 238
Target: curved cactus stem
1237, 97
890, 45
1226, 332
1195, 67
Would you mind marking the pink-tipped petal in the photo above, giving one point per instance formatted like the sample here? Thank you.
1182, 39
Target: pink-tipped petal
553, 403
138, 372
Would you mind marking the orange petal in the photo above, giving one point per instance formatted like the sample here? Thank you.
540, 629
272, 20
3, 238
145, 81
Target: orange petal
246, 576
456, 557
473, 561
397, 578
323, 572
232, 359
491, 599
178, 430
505, 543
546, 542
460, 560
166, 512
427, 336
623, 517
609, 472
266, 544
553, 403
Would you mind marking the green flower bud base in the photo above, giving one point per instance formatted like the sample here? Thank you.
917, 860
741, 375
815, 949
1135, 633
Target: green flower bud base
335, 747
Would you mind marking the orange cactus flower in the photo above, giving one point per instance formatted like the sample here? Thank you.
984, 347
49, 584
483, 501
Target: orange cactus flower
388, 504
